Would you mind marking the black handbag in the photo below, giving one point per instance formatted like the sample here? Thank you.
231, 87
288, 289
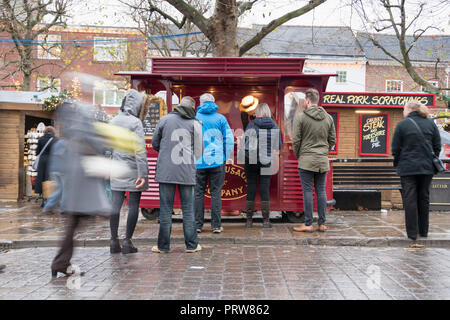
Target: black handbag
437, 163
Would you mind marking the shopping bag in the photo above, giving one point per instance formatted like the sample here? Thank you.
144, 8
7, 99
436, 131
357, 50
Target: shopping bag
48, 187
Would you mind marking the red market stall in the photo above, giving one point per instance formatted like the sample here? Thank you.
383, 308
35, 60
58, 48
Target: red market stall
229, 80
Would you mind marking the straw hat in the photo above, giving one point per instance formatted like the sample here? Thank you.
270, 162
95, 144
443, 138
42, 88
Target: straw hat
249, 103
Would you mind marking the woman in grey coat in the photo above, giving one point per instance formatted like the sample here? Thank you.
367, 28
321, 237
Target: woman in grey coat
133, 110
83, 195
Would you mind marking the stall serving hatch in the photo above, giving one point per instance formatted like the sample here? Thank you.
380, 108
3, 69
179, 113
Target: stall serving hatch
229, 80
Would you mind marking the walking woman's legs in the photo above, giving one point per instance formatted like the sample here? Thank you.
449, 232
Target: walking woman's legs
62, 260
409, 197
423, 203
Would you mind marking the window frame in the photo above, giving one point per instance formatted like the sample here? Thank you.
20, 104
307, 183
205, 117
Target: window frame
44, 51
396, 81
341, 74
106, 86
101, 44
51, 90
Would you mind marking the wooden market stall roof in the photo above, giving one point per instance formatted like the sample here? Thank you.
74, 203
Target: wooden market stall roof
228, 70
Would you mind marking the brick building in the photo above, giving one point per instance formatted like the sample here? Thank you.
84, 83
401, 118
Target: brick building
97, 51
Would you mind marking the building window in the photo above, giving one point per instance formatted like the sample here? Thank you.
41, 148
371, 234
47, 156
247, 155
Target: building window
433, 83
109, 93
50, 49
48, 85
394, 85
109, 49
341, 77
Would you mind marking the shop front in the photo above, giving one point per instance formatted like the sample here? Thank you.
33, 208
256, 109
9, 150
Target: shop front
20, 125
365, 125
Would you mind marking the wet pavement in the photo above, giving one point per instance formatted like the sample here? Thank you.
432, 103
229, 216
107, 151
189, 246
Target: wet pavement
24, 225
234, 272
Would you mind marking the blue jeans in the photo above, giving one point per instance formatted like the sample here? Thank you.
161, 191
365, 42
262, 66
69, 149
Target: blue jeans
306, 178
166, 198
57, 195
216, 178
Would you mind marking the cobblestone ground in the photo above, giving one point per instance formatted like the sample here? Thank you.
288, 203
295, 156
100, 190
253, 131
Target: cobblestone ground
233, 272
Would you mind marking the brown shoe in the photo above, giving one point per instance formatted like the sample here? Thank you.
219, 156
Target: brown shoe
323, 228
304, 228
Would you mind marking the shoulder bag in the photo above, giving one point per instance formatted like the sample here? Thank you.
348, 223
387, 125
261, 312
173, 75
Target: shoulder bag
36, 162
437, 163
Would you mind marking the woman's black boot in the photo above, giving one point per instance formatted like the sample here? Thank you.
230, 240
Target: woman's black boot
114, 246
265, 209
127, 247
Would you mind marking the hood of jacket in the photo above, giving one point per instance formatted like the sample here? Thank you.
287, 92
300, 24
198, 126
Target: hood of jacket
207, 107
132, 103
316, 113
185, 112
264, 123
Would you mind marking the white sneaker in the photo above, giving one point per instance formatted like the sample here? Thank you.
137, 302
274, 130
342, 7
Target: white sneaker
199, 248
218, 230
199, 230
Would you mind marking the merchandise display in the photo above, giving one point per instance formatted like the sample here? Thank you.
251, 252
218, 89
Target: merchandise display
31, 141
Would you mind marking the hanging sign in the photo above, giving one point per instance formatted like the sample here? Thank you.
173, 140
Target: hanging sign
374, 134
380, 100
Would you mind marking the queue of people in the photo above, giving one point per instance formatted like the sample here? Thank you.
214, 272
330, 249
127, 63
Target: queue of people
194, 147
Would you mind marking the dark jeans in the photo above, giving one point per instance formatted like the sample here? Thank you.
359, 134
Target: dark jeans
216, 178
253, 172
416, 202
166, 196
133, 212
64, 255
306, 178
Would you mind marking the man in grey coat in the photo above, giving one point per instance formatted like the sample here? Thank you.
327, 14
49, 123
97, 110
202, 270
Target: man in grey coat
179, 141
133, 110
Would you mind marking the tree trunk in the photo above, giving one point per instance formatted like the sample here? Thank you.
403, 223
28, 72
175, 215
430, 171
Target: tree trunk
26, 67
224, 29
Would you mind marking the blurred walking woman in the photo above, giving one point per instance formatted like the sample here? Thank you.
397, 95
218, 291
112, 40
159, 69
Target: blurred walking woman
415, 138
262, 140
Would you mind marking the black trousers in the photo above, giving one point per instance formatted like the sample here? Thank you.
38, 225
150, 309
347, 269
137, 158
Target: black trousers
416, 202
253, 173
133, 212
64, 255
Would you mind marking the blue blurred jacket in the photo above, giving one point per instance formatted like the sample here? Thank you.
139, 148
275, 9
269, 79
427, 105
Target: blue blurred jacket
218, 138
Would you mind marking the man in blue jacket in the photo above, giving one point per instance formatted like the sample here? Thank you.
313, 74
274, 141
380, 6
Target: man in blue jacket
218, 142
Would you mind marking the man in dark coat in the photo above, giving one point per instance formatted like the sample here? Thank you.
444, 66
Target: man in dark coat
43, 173
413, 160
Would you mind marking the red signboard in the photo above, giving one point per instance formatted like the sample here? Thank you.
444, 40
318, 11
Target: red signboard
378, 100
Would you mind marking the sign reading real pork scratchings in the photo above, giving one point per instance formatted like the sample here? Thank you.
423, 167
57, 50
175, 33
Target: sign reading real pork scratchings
374, 134
382, 100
